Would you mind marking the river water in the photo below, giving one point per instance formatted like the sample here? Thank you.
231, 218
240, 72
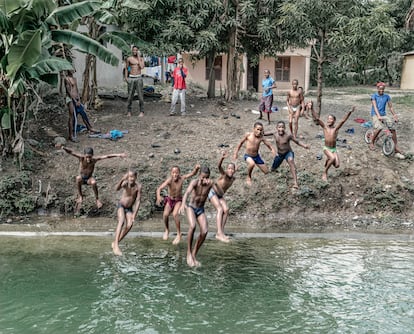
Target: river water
64, 284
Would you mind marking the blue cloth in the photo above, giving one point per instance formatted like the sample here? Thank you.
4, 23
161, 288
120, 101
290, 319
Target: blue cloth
280, 157
266, 84
257, 159
381, 101
116, 134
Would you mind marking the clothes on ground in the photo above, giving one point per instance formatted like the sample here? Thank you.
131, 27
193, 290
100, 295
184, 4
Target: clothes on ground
112, 135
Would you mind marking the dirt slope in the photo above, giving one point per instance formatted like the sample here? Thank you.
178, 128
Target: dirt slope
369, 192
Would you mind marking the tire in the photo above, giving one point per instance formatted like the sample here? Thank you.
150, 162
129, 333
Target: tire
368, 135
388, 146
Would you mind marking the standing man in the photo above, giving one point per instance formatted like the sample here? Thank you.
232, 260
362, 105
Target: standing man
133, 66
179, 75
266, 101
380, 120
75, 107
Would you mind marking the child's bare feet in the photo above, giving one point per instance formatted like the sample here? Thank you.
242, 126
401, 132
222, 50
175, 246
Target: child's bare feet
141, 114
177, 239
116, 249
249, 181
190, 260
222, 238
295, 186
99, 204
324, 177
165, 235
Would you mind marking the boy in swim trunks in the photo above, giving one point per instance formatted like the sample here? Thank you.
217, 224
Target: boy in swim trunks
216, 196
172, 202
330, 131
198, 189
284, 150
128, 207
87, 163
295, 104
252, 156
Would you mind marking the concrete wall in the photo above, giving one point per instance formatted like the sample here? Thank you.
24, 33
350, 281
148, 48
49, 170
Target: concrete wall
407, 75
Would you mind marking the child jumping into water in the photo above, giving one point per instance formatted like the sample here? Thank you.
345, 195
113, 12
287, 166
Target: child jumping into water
172, 202
252, 156
128, 207
284, 150
216, 196
87, 163
198, 189
330, 131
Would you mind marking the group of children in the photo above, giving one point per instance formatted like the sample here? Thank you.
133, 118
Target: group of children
202, 188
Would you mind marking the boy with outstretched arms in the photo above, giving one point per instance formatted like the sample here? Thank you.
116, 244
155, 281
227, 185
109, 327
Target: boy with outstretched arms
87, 163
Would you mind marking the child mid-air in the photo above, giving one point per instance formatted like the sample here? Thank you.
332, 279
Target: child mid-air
284, 150
128, 207
252, 156
330, 131
172, 202
216, 196
87, 163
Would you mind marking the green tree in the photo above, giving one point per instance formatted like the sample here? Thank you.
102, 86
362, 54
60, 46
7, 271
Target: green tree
314, 22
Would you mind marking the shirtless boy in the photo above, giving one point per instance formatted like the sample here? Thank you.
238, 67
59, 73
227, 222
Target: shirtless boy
87, 163
133, 66
172, 202
284, 150
330, 131
252, 156
75, 107
128, 207
216, 196
198, 189
294, 104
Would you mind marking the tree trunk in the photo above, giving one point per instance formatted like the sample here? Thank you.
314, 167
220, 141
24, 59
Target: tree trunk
321, 60
211, 91
232, 67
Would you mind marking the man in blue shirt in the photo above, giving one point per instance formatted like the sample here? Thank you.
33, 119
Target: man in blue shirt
267, 96
380, 120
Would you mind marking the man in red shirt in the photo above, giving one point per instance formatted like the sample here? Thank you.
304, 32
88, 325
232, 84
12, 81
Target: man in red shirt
179, 75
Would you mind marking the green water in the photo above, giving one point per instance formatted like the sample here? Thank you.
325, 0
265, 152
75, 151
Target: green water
281, 285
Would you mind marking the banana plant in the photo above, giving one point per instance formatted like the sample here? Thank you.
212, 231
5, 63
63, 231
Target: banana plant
32, 33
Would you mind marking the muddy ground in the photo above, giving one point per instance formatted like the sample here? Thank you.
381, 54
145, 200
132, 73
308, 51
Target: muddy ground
367, 193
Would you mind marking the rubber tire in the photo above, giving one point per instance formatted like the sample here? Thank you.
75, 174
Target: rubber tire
388, 146
368, 135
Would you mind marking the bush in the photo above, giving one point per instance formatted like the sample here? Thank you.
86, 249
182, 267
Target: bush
17, 195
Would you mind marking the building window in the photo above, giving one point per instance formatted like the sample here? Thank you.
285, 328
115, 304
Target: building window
217, 67
282, 69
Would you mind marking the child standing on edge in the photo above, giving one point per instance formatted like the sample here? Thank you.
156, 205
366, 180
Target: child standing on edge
199, 189
128, 207
216, 196
252, 156
172, 202
330, 132
284, 150
87, 163
267, 96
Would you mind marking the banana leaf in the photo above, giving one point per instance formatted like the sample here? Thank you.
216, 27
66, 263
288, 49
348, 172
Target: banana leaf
67, 14
85, 44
